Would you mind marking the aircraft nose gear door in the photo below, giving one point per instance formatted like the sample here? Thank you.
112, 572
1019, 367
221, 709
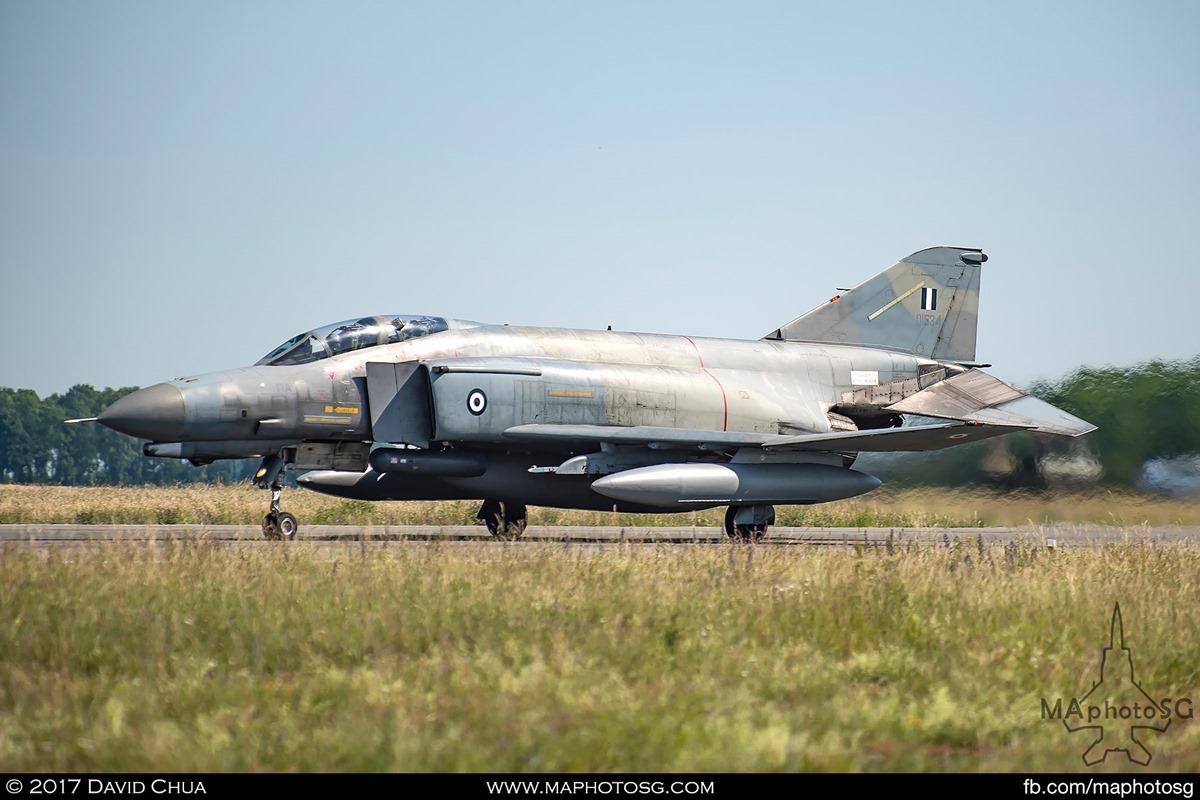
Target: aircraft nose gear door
276, 524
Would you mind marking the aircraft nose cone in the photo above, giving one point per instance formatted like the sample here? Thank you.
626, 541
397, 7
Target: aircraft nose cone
154, 413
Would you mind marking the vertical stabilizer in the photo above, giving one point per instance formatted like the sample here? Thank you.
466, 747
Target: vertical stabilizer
927, 304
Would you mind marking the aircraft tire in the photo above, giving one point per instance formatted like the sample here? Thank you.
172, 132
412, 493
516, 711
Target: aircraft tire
288, 527
504, 520
742, 533
280, 526
270, 527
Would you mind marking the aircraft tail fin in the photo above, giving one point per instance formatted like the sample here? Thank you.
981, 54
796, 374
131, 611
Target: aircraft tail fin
927, 304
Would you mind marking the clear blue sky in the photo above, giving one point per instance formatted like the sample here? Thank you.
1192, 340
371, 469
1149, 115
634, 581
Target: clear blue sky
184, 185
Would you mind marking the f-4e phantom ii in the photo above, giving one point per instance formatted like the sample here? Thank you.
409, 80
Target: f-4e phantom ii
412, 407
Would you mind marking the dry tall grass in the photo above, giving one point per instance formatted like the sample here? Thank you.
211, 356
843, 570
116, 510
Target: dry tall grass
538, 658
243, 504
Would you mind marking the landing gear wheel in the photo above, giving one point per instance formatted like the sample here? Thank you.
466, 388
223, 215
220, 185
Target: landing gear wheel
276, 525
288, 527
743, 533
504, 520
270, 527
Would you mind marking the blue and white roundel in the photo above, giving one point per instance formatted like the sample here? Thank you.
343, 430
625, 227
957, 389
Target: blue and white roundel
476, 402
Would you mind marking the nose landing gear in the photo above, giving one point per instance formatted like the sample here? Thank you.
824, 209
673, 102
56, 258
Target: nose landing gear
277, 525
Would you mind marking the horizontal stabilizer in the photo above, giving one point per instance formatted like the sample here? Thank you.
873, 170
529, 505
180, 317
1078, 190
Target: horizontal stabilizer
975, 396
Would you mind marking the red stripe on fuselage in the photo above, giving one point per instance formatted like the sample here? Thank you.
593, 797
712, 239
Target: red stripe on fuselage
724, 399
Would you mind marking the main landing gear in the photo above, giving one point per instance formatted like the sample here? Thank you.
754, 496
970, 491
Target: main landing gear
748, 523
504, 519
276, 525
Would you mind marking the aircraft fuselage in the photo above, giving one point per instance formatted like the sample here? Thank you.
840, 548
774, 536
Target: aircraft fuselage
586, 377
419, 407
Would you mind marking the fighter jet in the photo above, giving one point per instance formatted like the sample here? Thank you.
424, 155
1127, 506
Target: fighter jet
413, 407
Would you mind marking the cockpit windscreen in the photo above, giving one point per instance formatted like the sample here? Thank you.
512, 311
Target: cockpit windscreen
344, 337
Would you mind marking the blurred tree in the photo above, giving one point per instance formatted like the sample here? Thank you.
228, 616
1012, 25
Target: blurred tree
36, 446
1144, 412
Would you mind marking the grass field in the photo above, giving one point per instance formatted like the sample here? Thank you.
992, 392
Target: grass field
537, 658
885, 507
534, 658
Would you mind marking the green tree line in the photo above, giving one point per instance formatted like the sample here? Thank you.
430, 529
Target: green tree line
37, 446
1146, 412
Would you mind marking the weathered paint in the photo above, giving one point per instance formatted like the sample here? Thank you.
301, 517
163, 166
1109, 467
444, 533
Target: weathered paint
536, 415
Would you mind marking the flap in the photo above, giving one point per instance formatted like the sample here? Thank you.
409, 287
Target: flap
892, 440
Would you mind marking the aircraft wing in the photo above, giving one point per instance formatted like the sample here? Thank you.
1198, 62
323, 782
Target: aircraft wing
924, 437
980, 406
975, 396
894, 440
636, 435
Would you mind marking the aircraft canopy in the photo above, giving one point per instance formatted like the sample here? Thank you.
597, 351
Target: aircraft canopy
349, 335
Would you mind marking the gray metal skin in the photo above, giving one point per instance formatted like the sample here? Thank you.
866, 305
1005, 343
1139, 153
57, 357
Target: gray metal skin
610, 420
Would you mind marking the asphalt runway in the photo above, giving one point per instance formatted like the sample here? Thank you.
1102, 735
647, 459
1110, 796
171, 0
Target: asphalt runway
1048, 536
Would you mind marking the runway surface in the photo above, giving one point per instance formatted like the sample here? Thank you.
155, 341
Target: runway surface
1052, 536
